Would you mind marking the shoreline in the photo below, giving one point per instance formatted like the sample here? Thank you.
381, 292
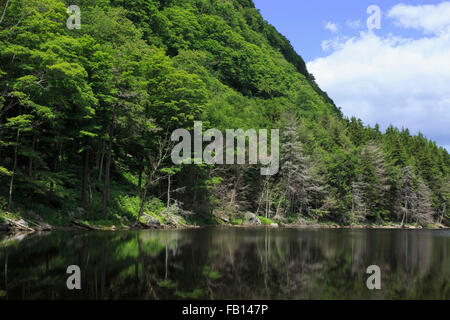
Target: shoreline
85, 227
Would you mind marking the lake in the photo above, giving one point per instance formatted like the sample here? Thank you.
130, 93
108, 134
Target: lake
227, 263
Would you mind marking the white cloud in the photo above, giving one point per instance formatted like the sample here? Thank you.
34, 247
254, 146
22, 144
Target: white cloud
427, 18
354, 24
332, 44
391, 80
333, 27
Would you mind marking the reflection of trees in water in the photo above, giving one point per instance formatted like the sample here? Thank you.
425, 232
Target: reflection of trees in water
228, 263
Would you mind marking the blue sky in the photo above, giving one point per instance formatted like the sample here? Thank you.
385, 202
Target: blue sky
398, 74
303, 22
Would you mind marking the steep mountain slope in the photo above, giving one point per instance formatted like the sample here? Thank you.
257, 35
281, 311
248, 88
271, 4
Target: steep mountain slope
85, 117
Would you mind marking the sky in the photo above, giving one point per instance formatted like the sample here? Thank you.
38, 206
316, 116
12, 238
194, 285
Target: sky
397, 72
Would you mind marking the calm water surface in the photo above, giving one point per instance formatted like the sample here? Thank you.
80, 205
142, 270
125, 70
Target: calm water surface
227, 263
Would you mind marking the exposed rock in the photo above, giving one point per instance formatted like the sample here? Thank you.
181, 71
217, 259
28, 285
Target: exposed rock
20, 225
149, 223
275, 225
251, 219
138, 225
152, 221
23, 222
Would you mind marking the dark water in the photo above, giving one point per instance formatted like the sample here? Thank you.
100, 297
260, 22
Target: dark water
222, 263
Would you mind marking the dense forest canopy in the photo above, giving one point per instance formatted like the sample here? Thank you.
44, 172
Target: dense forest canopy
86, 116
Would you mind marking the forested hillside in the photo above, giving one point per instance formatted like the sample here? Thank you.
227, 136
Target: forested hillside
86, 116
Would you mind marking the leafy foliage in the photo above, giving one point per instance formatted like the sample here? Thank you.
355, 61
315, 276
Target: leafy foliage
86, 116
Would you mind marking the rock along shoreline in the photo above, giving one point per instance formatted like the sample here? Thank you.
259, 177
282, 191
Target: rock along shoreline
26, 226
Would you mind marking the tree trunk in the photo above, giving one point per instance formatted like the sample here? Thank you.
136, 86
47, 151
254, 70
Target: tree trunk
90, 193
441, 218
194, 197
108, 170
144, 195
278, 210
4, 11
140, 181
403, 219
406, 212
353, 201
84, 189
143, 200
11, 183
30, 159
100, 170
168, 193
